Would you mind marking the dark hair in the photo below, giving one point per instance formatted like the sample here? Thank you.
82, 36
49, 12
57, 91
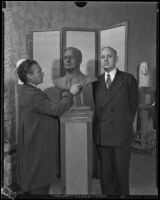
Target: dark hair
25, 68
77, 51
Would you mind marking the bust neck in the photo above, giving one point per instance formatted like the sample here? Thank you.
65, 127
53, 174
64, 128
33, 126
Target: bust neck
76, 74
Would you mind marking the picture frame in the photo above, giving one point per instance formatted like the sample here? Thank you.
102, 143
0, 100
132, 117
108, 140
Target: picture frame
116, 37
46, 49
86, 41
47, 45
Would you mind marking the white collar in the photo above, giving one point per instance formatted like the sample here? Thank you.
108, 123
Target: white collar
111, 73
33, 85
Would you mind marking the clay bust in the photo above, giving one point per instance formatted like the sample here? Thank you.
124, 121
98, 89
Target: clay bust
144, 77
72, 60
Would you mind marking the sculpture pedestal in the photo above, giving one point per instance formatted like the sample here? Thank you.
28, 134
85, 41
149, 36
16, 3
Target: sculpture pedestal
76, 151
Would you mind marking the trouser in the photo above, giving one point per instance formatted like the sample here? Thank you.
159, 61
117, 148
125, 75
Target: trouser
114, 169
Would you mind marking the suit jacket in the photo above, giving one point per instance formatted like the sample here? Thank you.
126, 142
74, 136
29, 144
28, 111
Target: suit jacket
115, 109
38, 137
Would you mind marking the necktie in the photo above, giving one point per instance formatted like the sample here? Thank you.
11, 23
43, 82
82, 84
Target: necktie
108, 81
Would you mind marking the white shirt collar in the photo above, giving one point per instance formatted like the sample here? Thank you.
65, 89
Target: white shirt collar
112, 74
33, 85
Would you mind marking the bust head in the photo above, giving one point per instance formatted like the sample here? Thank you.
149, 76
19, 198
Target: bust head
72, 59
144, 68
144, 76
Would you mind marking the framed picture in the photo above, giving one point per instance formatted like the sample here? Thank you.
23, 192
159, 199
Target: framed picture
86, 41
115, 37
46, 46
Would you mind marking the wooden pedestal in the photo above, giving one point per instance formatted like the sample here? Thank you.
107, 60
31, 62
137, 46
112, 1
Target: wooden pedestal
76, 151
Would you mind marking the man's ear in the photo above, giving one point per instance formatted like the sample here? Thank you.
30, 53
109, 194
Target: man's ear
117, 58
29, 76
80, 60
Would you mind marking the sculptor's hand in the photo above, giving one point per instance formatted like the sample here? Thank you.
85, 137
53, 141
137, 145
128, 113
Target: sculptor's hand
75, 88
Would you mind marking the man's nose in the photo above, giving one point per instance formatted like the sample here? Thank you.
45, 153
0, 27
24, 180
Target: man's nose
68, 59
106, 58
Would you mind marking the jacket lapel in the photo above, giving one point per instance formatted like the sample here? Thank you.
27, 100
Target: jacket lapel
114, 87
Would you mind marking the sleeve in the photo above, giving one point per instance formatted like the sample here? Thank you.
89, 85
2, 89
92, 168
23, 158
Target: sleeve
44, 105
133, 95
93, 89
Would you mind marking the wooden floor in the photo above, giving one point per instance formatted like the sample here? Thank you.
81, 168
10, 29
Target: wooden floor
142, 176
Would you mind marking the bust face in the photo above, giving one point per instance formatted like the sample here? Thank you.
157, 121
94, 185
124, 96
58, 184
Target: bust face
71, 60
144, 68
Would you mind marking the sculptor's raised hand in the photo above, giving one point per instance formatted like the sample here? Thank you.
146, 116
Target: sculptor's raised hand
75, 88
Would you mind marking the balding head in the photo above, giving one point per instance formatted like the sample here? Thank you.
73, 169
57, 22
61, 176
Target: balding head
108, 58
111, 49
72, 58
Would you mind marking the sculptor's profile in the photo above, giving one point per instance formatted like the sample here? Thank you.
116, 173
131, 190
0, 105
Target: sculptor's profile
72, 59
144, 76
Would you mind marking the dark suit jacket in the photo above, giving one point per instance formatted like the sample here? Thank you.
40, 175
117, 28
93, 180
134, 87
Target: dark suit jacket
115, 109
38, 137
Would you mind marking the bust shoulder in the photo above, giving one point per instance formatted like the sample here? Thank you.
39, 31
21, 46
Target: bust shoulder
66, 81
87, 80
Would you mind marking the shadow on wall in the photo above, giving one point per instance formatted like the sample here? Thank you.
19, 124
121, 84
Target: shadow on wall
55, 69
91, 68
52, 91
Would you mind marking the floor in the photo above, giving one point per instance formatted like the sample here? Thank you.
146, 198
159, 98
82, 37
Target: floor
142, 176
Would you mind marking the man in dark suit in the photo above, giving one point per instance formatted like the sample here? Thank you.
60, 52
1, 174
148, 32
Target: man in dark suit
116, 102
38, 130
